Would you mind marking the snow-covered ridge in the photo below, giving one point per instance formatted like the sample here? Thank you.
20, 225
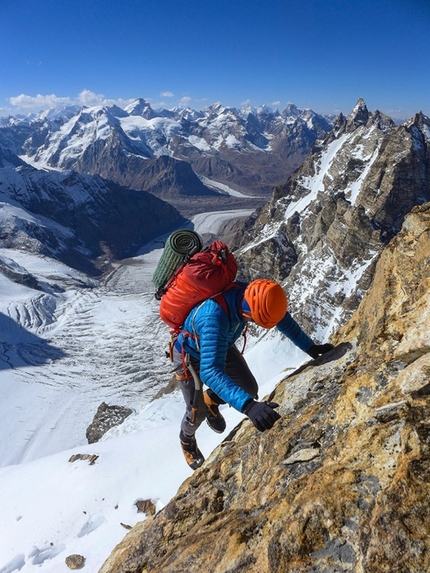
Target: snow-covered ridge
250, 150
152, 131
75, 217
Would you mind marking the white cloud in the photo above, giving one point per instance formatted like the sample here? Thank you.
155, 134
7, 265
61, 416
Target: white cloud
185, 101
85, 98
167, 94
39, 101
89, 98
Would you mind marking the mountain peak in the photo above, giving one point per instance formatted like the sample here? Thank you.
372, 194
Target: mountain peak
141, 107
219, 109
360, 113
291, 109
421, 119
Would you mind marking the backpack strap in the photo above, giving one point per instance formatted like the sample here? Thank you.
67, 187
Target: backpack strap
222, 302
244, 333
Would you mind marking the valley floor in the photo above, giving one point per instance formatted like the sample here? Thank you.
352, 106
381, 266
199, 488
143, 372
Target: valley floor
190, 206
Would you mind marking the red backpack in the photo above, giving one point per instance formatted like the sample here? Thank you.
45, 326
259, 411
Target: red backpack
205, 275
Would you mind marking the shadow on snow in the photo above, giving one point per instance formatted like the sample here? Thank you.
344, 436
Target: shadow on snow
19, 347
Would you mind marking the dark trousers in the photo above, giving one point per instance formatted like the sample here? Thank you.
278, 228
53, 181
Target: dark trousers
235, 367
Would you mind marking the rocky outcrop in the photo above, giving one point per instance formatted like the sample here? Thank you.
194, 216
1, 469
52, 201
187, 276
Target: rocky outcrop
75, 561
273, 258
337, 213
18, 274
342, 481
105, 418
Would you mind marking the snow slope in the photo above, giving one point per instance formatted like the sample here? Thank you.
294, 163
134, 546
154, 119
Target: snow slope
71, 350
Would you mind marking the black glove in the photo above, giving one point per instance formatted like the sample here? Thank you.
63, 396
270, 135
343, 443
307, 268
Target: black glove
318, 349
262, 414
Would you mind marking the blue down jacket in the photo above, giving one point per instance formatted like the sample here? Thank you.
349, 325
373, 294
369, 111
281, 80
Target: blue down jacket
215, 332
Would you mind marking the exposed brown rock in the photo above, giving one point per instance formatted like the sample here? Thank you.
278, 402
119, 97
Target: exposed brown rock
75, 561
342, 481
105, 418
91, 458
145, 506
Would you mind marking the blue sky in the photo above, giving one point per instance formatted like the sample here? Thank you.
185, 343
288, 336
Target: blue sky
319, 54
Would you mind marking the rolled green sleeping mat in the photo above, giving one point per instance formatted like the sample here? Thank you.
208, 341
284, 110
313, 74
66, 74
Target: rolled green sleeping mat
180, 245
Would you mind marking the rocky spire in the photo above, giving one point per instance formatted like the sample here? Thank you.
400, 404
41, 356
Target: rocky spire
360, 113
421, 121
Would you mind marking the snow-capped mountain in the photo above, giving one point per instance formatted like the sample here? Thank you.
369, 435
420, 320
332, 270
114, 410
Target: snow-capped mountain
322, 232
250, 150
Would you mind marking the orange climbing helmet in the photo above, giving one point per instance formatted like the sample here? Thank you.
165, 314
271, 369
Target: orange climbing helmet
264, 302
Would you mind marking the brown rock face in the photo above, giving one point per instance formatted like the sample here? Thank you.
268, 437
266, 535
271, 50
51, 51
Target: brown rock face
342, 481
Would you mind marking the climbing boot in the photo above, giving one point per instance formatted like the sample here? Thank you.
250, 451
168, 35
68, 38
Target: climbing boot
193, 456
214, 418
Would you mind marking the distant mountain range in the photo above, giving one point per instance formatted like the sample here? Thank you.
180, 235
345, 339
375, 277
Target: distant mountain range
345, 187
170, 153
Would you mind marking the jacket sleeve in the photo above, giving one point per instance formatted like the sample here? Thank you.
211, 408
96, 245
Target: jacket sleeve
213, 329
289, 328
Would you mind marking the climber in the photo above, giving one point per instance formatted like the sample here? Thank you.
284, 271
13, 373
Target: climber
204, 352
